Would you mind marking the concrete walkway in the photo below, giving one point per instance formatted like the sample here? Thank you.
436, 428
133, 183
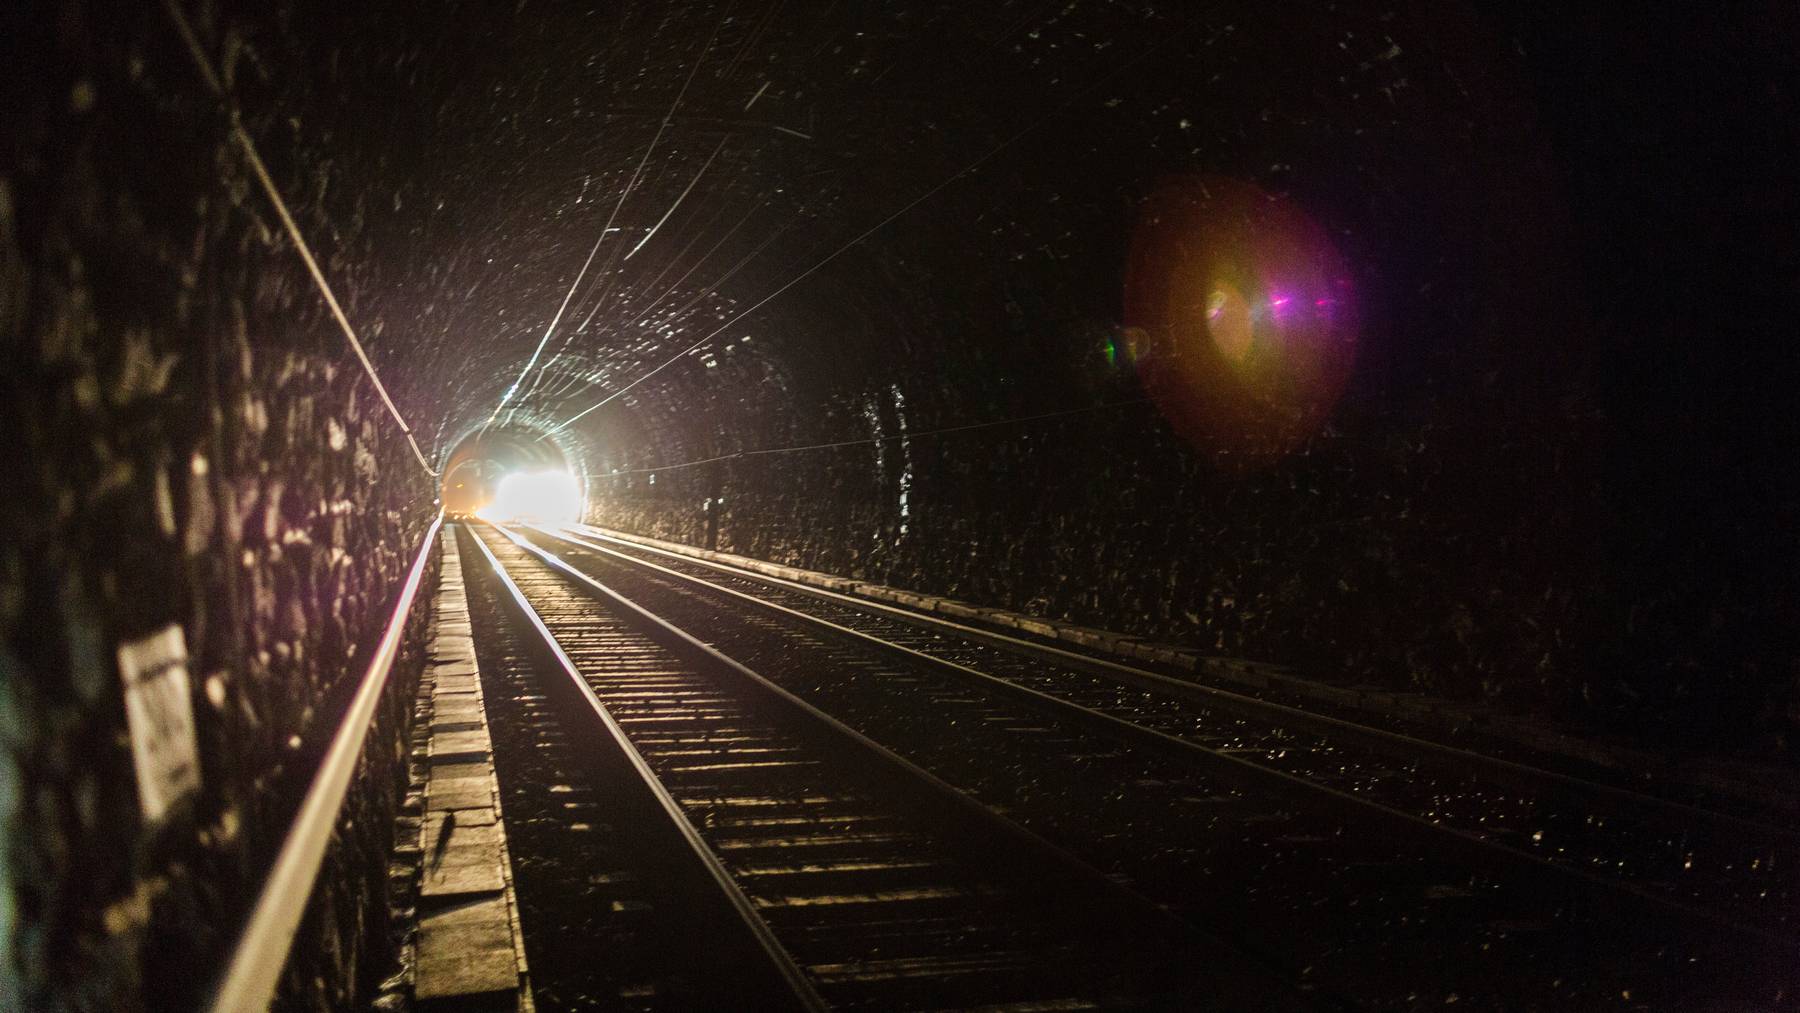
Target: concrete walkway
468, 951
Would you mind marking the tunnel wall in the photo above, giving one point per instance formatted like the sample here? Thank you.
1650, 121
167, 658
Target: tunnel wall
1471, 421
1455, 555
1534, 492
1330, 557
190, 443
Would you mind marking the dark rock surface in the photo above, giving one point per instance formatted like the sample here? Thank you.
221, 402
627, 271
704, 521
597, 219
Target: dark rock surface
189, 443
1541, 487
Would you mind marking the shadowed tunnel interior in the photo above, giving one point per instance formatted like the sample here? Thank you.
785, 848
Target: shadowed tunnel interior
1423, 347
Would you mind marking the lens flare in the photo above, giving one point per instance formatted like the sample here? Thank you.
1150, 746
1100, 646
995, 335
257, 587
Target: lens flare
1249, 313
1229, 322
549, 497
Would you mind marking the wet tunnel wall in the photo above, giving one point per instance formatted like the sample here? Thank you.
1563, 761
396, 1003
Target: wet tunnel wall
190, 445
1527, 491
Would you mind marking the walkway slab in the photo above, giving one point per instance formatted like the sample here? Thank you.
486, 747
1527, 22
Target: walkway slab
468, 949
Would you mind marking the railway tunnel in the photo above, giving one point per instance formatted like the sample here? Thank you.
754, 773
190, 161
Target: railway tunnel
742, 505
477, 471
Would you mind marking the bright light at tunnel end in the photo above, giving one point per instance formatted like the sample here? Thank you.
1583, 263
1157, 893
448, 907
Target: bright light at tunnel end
544, 497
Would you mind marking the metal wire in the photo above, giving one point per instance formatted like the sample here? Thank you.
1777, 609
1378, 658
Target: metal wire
883, 223
287, 220
625, 193
920, 434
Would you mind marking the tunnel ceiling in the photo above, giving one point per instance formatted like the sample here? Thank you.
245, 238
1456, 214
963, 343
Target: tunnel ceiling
932, 196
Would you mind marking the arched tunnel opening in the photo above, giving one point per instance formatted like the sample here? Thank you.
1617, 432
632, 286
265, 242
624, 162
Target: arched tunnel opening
979, 505
508, 472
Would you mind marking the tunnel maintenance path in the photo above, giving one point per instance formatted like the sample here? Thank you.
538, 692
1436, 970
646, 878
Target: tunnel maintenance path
896, 811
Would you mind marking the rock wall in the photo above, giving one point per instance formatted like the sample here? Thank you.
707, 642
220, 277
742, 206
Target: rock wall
1560, 478
1332, 557
189, 443
1461, 553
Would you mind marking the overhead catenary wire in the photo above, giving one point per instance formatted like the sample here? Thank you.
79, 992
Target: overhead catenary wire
637, 288
877, 227
632, 290
689, 189
647, 286
872, 440
571, 378
624, 193
507, 395
261, 171
676, 313
752, 39
797, 279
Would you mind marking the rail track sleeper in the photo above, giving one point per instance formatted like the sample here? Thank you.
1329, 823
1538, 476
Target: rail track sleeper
1404, 746
775, 972
1029, 857
999, 849
1469, 847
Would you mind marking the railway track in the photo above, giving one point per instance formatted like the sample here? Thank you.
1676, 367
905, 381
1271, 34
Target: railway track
814, 868
1612, 853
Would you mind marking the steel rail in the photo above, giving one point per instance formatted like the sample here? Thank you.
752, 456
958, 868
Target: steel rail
1027, 848
262, 947
800, 987
1396, 744
1249, 774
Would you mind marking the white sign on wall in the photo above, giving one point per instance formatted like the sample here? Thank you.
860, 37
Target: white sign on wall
159, 712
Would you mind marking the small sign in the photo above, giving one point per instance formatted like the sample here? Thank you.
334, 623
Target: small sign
159, 711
